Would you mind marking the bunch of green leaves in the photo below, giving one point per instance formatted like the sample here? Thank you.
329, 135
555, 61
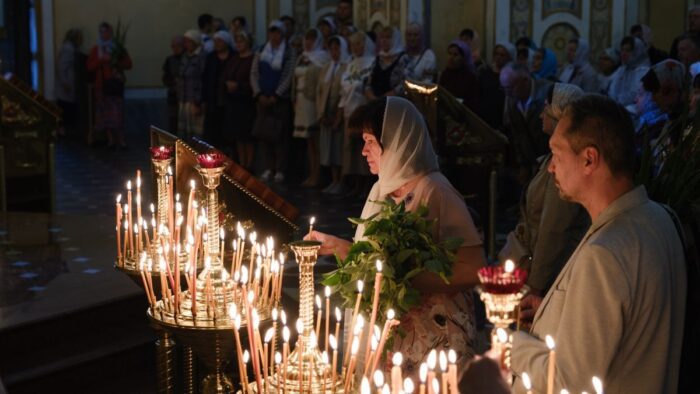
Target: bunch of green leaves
119, 38
403, 241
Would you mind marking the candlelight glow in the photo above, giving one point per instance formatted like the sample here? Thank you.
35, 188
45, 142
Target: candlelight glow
378, 378
355, 345
360, 286
244, 274
443, 361
386, 389
452, 356
502, 335
375, 343
318, 302
324, 358
285, 333
408, 386
379, 266
333, 342
192, 184
251, 296
283, 317
300, 326
119, 198
232, 311
338, 315
278, 358
550, 342
436, 386
313, 341
397, 359
423, 372
312, 220
432, 359
327, 291
364, 386
564, 391
274, 314
128, 185
246, 356
526, 381
268, 335
509, 266
391, 314
597, 385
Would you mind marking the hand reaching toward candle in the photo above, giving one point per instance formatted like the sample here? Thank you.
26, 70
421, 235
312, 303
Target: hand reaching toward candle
330, 244
528, 307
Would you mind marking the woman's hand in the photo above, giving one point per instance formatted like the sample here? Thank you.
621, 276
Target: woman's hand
330, 244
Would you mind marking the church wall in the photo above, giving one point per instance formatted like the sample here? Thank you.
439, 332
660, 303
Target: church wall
153, 23
667, 20
448, 18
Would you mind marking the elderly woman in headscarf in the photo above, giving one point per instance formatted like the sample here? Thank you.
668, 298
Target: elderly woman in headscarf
398, 149
330, 116
109, 65
579, 71
214, 86
389, 71
549, 227
626, 83
306, 74
492, 95
664, 82
644, 33
190, 121
544, 65
271, 79
459, 77
422, 63
352, 95
608, 62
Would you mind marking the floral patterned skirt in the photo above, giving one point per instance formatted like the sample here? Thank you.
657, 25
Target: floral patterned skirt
442, 322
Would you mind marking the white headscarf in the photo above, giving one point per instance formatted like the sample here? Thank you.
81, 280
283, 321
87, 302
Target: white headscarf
225, 37
396, 44
194, 35
274, 57
317, 55
344, 58
408, 153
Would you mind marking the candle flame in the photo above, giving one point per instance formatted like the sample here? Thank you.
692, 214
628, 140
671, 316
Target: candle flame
318, 301
408, 386
436, 386
378, 378
274, 314
432, 359
237, 322
313, 341
423, 372
564, 391
509, 266
244, 274
597, 385
390, 314
502, 335
452, 356
324, 358
253, 237
119, 198
379, 266
550, 342
232, 311
268, 335
128, 185
256, 319
153, 208
443, 361
386, 389
526, 381
375, 343
397, 359
312, 220
328, 291
192, 184
355, 345
364, 386
360, 286
246, 356
333, 342
285, 333
300, 326
283, 317
251, 297
338, 316
278, 358
126, 209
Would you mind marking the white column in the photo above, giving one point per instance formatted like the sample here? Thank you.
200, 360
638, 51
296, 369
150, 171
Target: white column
48, 54
618, 23
502, 18
415, 11
260, 21
286, 7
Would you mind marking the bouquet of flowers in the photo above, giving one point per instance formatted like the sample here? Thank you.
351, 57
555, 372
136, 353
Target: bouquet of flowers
404, 242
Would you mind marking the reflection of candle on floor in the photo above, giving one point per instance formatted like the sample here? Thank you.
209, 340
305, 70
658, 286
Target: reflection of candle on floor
551, 365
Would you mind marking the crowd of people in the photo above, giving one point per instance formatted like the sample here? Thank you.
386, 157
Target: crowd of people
605, 263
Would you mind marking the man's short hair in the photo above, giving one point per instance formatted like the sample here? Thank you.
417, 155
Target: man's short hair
287, 18
600, 122
204, 20
469, 33
241, 20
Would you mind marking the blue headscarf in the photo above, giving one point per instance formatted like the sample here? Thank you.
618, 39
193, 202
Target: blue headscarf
549, 64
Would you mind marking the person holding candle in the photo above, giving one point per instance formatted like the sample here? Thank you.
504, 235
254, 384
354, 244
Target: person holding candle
398, 149
616, 310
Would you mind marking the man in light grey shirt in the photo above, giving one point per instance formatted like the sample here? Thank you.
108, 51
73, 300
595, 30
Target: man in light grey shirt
616, 310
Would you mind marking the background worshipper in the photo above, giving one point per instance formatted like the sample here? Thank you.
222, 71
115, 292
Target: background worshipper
459, 77
693, 27
352, 96
289, 28
471, 38
327, 28
329, 116
214, 86
492, 95
550, 227
271, 79
398, 149
306, 75
238, 24
544, 65
616, 310
343, 13
239, 103
190, 121
644, 33
608, 62
689, 49
579, 71
521, 120
205, 22
626, 84
422, 64
66, 81
109, 86
389, 71
665, 83
171, 71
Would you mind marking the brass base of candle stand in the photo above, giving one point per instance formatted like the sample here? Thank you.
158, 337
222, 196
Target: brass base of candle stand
165, 363
189, 371
501, 308
315, 376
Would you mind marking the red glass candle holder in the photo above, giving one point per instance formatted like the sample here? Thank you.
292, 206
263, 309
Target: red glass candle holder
496, 280
211, 160
161, 152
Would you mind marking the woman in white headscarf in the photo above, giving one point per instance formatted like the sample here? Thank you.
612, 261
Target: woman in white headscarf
352, 95
389, 71
306, 75
608, 62
398, 149
626, 83
579, 71
330, 116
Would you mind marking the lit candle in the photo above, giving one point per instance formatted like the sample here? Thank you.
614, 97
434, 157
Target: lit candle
423, 376
551, 365
338, 316
375, 307
149, 267
385, 335
452, 358
285, 354
163, 283
386, 389
138, 239
126, 230
311, 225
351, 367
432, 362
128, 213
278, 363
273, 349
443, 370
138, 196
300, 351
334, 368
190, 213
597, 385
408, 386
145, 282
564, 391
268, 338
435, 386
239, 349
319, 315
328, 314
360, 287
364, 386
527, 383
396, 377
119, 228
